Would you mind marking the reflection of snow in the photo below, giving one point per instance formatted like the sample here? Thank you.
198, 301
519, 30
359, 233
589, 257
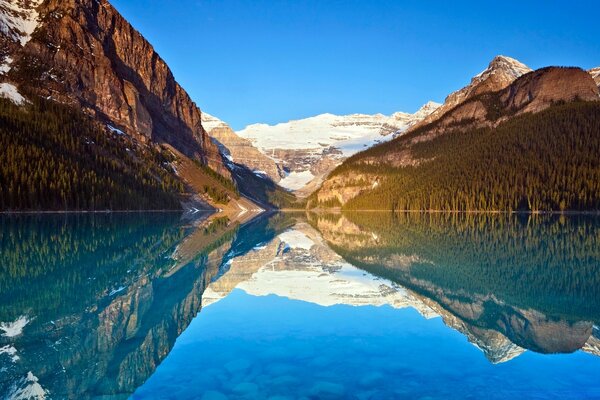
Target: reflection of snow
115, 291
11, 351
312, 273
296, 240
12, 329
27, 389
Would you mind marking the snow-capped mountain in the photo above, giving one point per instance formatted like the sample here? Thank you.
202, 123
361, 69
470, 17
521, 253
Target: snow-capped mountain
500, 73
310, 148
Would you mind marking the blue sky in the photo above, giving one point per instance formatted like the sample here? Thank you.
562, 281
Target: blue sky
249, 61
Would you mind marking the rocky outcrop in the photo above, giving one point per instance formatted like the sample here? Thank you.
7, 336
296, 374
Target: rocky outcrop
595, 73
240, 150
83, 52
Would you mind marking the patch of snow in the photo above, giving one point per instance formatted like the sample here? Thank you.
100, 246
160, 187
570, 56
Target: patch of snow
115, 130
19, 19
296, 240
210, 122
115, 291
27, 389
10, 91
296, 180
11, 351
261, 174
4, 68
13, 329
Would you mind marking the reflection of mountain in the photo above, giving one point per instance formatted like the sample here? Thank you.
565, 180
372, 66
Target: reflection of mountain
121, 310
497, 279
297, 264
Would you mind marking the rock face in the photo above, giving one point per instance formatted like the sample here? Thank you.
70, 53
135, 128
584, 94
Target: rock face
240, 150
595, 73
83, 52
500, 73
310, 148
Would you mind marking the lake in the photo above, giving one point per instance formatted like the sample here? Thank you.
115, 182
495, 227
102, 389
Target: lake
299, 306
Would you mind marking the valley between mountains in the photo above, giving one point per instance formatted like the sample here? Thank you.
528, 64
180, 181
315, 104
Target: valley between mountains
92, 119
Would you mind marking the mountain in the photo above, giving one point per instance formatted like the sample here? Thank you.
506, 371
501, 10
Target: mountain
82, 58
308, 149
501, 72
529, 146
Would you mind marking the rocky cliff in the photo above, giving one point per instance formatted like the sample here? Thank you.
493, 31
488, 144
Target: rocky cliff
84, 53
240, 150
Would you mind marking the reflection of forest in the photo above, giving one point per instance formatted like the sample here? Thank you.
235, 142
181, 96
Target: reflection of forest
103, 297
533, 278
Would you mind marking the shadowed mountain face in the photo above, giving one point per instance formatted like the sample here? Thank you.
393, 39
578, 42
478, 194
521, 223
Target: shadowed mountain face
92, 304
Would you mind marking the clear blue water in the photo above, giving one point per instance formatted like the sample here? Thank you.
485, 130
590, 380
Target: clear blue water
272, 347
357, 306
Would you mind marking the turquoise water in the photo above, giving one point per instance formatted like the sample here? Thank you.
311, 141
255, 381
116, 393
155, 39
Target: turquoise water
357, 306
272, 347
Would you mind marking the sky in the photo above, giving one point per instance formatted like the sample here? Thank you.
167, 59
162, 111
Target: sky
270, 61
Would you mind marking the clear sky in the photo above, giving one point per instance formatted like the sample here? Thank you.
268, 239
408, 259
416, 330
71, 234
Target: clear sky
269, 61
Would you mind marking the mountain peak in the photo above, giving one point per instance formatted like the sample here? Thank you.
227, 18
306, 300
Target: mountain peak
511, 67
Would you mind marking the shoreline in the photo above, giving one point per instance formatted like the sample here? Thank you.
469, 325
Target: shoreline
321, 211
96, 212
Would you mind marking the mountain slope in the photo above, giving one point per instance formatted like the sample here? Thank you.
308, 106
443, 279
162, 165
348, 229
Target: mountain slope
239, 150
310, 148
495, 151
56, 158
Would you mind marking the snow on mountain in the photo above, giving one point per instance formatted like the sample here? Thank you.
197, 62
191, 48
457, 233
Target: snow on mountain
19, 18
10, 91
15, 328
310, 148
349, 133
18, 21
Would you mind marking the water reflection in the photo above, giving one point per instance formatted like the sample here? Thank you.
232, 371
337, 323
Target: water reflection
533, 280
92, 304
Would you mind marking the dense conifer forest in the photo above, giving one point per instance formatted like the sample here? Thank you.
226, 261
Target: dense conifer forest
534, 162
56, 158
